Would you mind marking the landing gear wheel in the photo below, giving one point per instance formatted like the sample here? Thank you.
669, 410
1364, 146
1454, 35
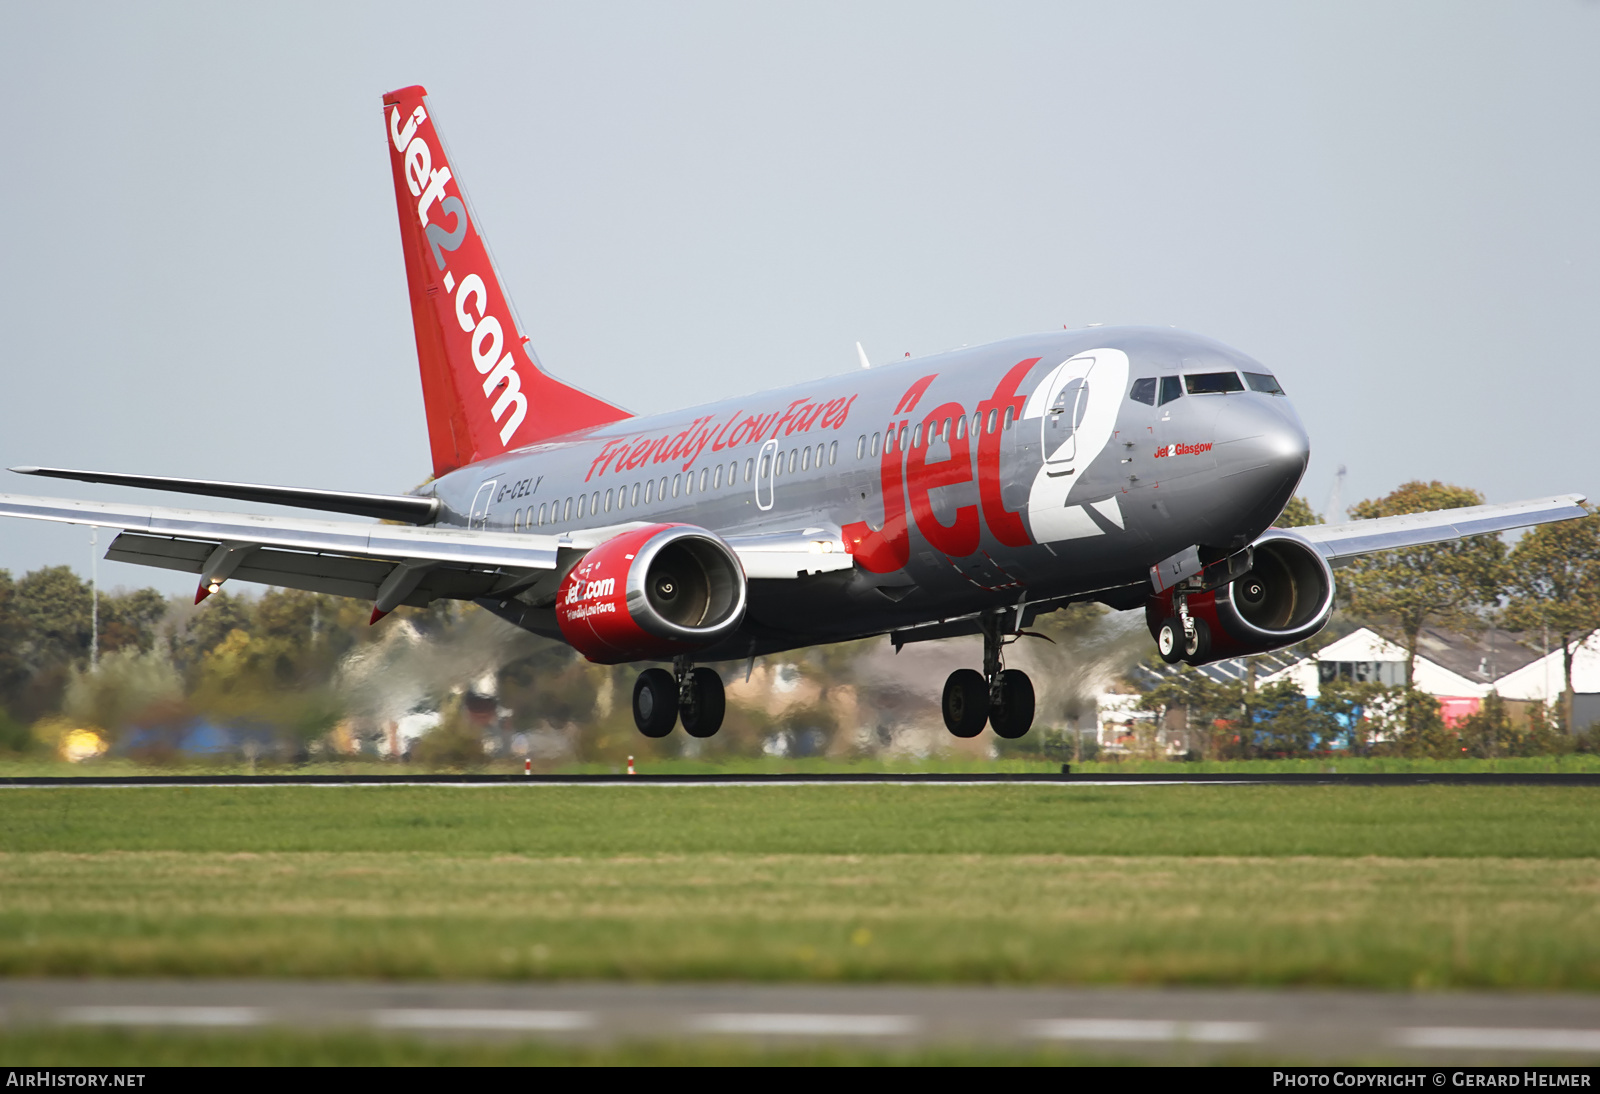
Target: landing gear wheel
655, 702
703, 716
1197, 649
965, 703
1012, 715
1169, 640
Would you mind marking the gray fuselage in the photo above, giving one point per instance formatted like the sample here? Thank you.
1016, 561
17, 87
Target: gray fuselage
1033, 472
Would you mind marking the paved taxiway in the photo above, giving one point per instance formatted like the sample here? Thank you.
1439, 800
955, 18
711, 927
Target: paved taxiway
1285, 1025
885, 779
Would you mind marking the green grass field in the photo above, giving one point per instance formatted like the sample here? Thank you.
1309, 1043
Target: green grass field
1398, 887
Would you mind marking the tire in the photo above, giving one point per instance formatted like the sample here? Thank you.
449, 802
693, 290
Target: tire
965, 703
655, 702
1198, 651
1169, 640
703, 717
1012, 716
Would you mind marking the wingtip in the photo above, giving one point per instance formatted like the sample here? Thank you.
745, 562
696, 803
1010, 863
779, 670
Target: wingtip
201, 593
377, 614
26, 469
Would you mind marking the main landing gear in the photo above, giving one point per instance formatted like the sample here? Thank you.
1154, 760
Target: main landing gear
999, 696
661, 698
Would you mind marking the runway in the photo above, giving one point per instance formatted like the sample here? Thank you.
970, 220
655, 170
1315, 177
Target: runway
851, 779
1288, 1025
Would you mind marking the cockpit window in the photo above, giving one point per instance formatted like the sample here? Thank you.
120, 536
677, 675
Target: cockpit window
1171, 388
1144, 391
1262, 382
1212, 383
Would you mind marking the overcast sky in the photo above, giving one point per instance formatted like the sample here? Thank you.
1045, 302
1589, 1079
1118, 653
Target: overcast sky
1393, 205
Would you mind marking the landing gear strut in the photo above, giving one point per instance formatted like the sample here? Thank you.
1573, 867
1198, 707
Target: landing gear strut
662, 698
1000, 696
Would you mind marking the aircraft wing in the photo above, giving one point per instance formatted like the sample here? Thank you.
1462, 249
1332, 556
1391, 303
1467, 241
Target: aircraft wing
1337, 542
387, 564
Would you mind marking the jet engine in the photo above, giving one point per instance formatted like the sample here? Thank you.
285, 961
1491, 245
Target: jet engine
1284, 597
651, 593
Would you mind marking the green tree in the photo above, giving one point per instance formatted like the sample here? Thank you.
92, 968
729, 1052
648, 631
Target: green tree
131, 620
1553, 584
1445, 582
1297, 514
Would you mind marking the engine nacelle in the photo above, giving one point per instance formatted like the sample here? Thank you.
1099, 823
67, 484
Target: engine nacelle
1284, 598
652, 593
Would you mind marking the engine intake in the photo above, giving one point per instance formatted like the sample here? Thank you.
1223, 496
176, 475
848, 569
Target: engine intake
1285, 597
652, 593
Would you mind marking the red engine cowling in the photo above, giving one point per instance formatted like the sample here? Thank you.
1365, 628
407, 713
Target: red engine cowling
1286, 597
651, 593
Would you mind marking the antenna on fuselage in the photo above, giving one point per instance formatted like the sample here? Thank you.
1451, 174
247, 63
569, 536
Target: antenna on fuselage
861, 353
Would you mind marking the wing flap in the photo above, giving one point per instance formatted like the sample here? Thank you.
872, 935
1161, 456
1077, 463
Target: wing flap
1364, 537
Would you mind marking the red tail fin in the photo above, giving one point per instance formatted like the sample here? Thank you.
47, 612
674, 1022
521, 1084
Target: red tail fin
483, 390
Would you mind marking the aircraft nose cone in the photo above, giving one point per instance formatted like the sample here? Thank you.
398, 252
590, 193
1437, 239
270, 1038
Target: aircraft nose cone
1262, 451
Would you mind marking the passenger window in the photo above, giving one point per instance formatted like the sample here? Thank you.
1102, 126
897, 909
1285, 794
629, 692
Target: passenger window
794, 457
1144, 391
900, 440
874, 449
861, 446
516, 520
716, 480
661, 492
990, 427
608, 501
1171, 388
582, 500
765, 461
1263, 382
833, 454
566, 510
634, 501
805, 459
704, 471
650, 491
961, 427
541, 515
1010, 411
944, 434
594, 503
749, 470
1212, 383
916, 436
675, 485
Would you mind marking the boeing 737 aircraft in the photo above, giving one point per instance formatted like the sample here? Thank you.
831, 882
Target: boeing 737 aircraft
960, 494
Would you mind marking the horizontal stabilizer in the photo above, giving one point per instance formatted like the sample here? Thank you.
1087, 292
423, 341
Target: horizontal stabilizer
400, 507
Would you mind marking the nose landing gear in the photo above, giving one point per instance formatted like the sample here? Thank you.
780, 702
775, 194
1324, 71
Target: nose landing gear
694, 695
1000, 696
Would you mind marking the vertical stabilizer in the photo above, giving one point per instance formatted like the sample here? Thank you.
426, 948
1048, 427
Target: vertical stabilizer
483, 389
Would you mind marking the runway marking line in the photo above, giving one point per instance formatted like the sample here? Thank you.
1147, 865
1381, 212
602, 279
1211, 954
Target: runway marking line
1124, 1029
160, 1016
1549, 1040
531, 1020
849, 1025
